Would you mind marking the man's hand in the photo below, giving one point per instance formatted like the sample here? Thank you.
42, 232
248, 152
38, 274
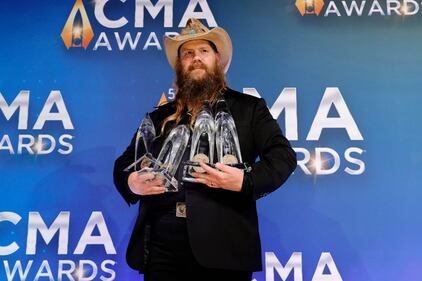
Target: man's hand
224, 176
145, 184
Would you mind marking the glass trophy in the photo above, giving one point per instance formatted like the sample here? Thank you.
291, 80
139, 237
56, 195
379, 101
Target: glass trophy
146, 132
226, 137
170, 156
202, 146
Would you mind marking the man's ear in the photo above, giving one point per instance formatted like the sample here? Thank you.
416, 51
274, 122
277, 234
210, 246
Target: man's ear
218, 58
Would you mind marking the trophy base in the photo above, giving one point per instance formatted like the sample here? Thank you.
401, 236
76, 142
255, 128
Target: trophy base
170, 183
146, 161
192, 166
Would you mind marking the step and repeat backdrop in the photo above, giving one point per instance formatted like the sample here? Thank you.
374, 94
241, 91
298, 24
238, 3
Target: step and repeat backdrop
343, 79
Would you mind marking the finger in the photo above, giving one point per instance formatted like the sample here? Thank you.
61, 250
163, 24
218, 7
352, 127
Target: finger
155, 182
153, 193
203, 181
208, 182
146, 169
201, 176
145, 176
209, 170
155, 190
224, 168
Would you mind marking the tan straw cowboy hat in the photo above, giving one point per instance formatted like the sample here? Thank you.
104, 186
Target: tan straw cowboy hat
195, 30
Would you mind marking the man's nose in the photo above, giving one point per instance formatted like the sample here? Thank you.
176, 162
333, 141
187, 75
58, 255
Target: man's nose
197, 56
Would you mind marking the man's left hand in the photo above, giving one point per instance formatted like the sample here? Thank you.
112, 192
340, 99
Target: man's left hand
224, 176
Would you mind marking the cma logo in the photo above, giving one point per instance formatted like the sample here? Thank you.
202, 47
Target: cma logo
41, 237
359, 8
78, 32
61, 227
54, 110
320, 160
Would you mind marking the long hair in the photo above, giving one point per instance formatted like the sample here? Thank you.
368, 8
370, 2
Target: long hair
191, 93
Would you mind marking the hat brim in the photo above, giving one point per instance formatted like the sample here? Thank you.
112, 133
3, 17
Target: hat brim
216, 35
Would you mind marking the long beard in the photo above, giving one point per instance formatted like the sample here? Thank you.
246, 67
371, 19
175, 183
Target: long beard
193, 92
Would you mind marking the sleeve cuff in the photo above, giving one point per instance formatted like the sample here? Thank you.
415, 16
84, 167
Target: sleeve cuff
247, 186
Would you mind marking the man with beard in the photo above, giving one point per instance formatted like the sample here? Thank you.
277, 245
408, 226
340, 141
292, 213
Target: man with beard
208, 230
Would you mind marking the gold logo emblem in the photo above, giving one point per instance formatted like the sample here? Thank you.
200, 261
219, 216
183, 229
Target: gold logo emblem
77, 32
309, 7
163, 100
181, 209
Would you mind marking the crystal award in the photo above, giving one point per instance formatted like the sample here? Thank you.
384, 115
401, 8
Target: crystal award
146, 132
170, 156
227, 141
226, 137
203, 141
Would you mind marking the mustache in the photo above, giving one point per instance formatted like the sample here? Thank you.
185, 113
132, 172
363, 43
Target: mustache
197, 65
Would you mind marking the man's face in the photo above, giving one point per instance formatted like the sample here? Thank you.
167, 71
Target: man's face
197, 57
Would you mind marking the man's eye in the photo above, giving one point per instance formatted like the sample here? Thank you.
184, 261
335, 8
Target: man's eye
187, 54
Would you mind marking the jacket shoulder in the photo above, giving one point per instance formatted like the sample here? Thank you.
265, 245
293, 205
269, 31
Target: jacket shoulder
236, 95
242, 100
162, 111
165, 108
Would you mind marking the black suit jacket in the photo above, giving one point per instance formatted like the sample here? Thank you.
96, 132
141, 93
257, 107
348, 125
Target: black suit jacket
222, 225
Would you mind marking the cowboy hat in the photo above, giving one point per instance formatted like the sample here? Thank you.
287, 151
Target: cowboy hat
195, 30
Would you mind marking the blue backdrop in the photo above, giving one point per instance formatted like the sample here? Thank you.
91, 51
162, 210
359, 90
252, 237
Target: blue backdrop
363, 68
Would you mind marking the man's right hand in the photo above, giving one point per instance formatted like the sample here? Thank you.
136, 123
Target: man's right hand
145, 184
